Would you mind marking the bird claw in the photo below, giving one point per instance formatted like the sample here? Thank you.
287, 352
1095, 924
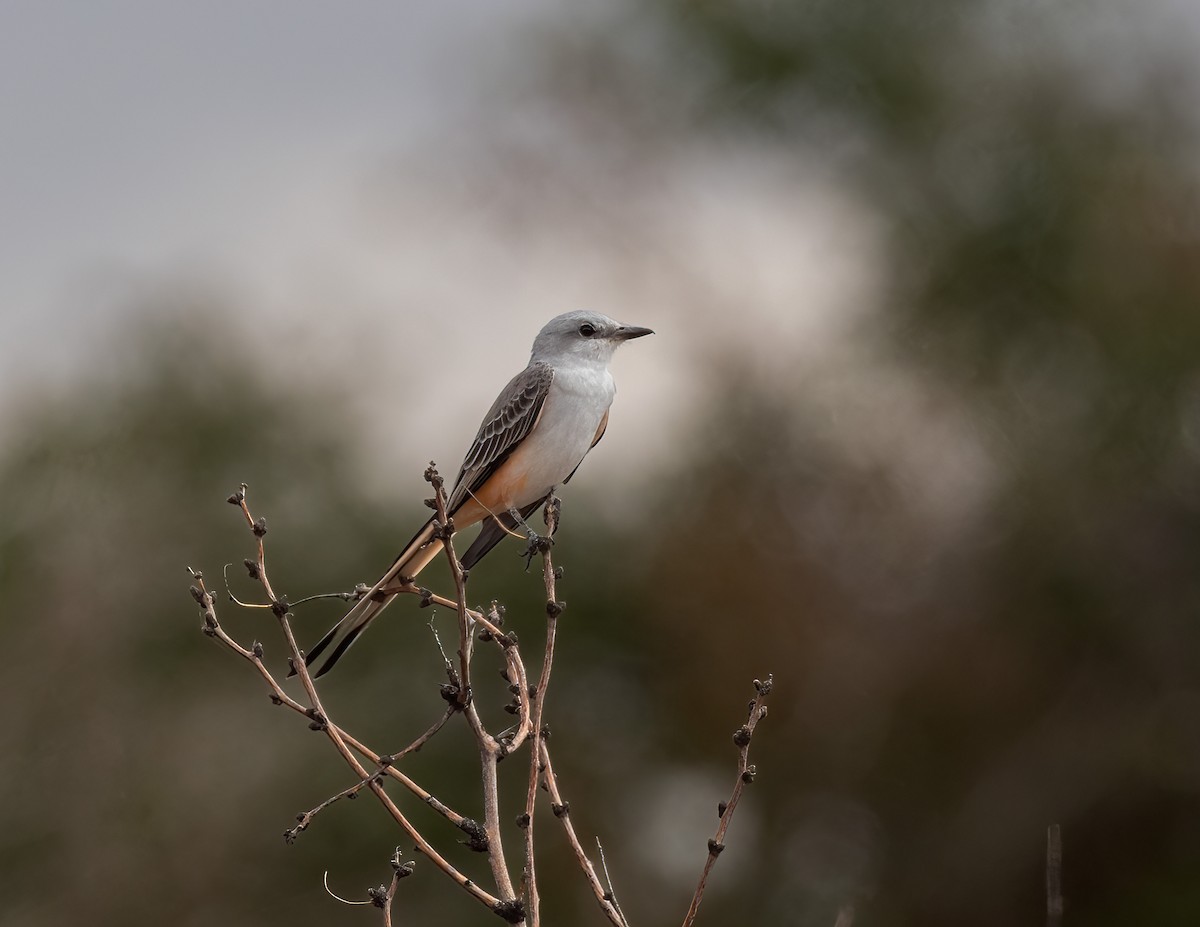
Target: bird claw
537, 545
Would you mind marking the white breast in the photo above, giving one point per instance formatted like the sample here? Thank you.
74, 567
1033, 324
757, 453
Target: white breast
577, 402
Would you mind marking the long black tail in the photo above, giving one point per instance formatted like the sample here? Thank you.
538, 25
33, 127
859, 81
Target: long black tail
415, 556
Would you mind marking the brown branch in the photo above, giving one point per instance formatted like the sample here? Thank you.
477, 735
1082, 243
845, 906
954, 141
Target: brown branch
255, 656
746, 772
490, 750
319, 717
537, 697
515, 666
382, 896
611, 894
445, 531
529, 705
385, 763
1054, 898
562, 811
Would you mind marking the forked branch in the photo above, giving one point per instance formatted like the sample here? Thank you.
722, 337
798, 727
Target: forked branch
373, 770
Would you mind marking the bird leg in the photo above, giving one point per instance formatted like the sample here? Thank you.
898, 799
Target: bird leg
536, 544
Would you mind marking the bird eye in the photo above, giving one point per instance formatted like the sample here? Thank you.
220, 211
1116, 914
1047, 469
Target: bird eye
587, 330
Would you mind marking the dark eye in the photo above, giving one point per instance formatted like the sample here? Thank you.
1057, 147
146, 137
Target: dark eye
587, 329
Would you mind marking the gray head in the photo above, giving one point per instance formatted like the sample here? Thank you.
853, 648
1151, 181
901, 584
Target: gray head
583, 334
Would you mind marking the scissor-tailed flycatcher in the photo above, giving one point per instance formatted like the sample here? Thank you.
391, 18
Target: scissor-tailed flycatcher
534, 437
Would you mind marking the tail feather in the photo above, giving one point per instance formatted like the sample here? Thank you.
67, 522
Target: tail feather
415, 556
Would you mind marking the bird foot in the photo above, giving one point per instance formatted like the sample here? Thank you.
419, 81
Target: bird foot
537, 545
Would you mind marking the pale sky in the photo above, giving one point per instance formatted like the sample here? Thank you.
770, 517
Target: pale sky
329, 166
366, 178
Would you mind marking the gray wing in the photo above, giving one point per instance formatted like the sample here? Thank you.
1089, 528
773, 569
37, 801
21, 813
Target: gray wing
511, 417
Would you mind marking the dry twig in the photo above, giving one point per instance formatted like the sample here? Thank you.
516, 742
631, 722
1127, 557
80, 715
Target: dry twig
746, 773
1054, 898
382, 896
490, 750
316, 712
528, 704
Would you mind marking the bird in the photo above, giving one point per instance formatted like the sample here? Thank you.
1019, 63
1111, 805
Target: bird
532, 439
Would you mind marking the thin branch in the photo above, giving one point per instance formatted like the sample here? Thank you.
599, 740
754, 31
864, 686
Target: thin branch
515, 666
741, 737
382, 897
416, 745
445, 529
305, 818
562, 811
1054, 897
385, 764
320, 720
611, 894
537, 697
254, 656
490, 749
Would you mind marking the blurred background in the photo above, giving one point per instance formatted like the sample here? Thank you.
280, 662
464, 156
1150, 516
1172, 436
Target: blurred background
919, 433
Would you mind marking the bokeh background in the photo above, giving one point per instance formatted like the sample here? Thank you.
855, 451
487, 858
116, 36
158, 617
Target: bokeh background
919, 433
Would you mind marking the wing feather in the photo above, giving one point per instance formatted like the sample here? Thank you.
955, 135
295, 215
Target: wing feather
508, 421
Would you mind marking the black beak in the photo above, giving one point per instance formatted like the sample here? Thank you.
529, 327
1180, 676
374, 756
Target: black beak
629, 332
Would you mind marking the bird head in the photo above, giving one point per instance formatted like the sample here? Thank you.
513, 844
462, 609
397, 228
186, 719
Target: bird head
583, 334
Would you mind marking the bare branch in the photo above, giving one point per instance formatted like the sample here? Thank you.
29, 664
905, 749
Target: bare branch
490, 749
316, 711
562, 811
611, 894
1054, 898
373, 770
382, 896
741, 737
537, 698
386, 762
